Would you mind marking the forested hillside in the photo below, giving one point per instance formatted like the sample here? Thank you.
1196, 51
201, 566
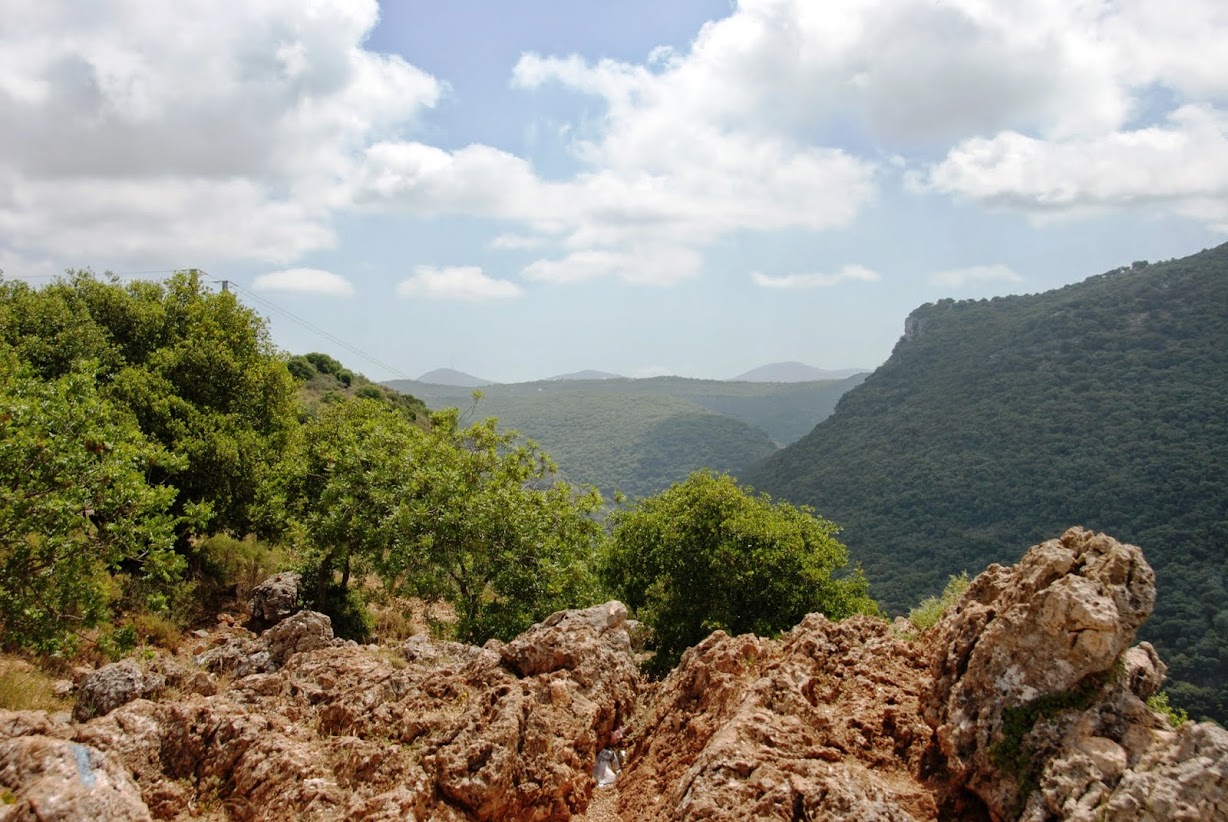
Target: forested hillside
998, 423
639, 436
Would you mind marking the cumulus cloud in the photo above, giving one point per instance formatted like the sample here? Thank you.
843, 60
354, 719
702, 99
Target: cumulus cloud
466, 283
304, 281
849, 273
1150, 165
958, 277
182, 131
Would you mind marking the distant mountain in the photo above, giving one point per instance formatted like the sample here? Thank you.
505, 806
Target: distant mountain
588, 375
794, 372
450, 376
998, 423
638, 436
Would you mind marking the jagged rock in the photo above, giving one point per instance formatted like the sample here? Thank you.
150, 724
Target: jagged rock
276, 598
113, 685
823, 724
441, 731
1038, 702
56, 780
305, 631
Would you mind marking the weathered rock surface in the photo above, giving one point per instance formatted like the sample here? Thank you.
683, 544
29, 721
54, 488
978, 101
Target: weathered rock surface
822, 724
113, 685
1026, 701
436, 730
275, 599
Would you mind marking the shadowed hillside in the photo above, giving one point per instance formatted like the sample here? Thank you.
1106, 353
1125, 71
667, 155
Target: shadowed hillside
997, 422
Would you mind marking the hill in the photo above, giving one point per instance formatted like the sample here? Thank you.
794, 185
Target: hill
450, 376
996, 423
794, 372
589, 374
323, 380
639, 436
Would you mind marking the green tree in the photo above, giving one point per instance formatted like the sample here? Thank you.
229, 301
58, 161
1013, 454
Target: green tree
75, 506
341, 482
706, 555
484, 523
197, 370
469, 515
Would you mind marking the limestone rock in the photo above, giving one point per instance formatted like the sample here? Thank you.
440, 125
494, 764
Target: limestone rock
275, 599
56, 780
113, 685
305, 631
822, 724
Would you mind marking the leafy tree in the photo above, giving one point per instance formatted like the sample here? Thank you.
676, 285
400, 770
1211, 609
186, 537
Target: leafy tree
483, 523
340, 486
469, 515
75, 505
196, 369
706, 555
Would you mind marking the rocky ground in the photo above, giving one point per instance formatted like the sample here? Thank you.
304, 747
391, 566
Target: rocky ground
1026, 701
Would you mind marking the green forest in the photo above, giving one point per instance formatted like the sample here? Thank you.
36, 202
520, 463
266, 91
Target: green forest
160, 456
640, 436
996, 424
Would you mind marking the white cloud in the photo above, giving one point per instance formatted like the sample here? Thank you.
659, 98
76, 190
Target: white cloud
958, 277
1181, 164
663, 265
456, 283
849, 273
189, 131
304, 281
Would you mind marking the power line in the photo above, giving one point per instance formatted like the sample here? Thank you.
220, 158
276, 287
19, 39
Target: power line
326, 335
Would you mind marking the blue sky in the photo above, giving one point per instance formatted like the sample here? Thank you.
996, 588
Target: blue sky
519, 189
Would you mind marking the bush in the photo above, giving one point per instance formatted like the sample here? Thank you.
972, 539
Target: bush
931, 609
706, 555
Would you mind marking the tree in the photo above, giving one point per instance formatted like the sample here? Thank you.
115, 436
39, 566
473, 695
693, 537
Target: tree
706, 555
484, 523
468, 515
75, 505
197, 370
339, 489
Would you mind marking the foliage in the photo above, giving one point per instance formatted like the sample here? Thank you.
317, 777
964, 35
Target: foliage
641, 436
76, 506
325, 381
25, 688
1158, 702
470, 515
706, 555
999, 423
231, 568
932, 609
196, 370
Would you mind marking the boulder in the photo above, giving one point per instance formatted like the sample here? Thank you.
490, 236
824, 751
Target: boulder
822, 724
275, 599
113, 685
56, 780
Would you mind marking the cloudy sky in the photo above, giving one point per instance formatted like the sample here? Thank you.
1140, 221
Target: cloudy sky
520, 188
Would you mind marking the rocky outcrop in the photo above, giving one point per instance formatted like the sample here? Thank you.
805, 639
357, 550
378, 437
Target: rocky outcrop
822, 724
1026, 701
113, 685
275, 599
323, 731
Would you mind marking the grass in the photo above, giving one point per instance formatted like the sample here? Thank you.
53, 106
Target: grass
931, 609
25, 688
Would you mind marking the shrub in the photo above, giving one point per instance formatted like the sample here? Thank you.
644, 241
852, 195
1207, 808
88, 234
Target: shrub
931, 609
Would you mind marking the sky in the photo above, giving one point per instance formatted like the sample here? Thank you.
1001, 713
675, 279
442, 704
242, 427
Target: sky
522, 188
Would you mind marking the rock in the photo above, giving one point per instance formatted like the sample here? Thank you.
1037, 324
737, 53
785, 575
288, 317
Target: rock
275, 599
113, 685
1038, 702
61, 781
439, 730
822, 724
